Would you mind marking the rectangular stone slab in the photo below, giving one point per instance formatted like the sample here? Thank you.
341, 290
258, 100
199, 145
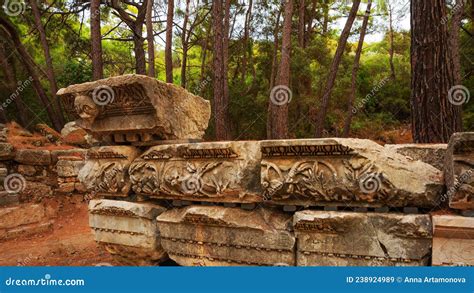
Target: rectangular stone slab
345, 172
331, 238
211, 172
459, 171
127, 224
219, 236
453, 240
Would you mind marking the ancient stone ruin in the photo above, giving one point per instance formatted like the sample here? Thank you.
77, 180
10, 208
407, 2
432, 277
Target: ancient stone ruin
309, 202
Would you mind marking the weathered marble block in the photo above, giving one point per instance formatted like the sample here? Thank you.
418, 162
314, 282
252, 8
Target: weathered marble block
432, 154
33, 157
127, 227
459, 171
326, 238
213, 172
453, 240
106, 170
219, 236
134, 108
345, 172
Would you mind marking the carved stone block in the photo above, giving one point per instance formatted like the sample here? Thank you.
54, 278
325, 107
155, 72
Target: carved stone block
453, 240
213, 172
219, 236
345, 172
432, 154
69, 166
133, 107
106, 170
33, 157
127, 226
459, 171
327, 238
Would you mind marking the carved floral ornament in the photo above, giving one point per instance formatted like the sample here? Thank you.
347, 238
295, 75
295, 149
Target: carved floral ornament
206, 172
331, 179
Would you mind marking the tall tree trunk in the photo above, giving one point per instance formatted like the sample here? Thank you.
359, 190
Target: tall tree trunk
23, 117
326, 17
335, 67
301, 23
280, 110
225, 63
49, 63
454, 37
392, 50
245, 43
273, 73
150, 38
169, 42
220, 102
184, 42
140, 59
434, 118
28, 63
355, 70
96, 41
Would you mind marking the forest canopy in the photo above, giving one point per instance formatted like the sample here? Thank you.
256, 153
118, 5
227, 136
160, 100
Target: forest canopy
308, 55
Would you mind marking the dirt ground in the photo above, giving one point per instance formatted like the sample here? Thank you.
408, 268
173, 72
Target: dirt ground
70, 243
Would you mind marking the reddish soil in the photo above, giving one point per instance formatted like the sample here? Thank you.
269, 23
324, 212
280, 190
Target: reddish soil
70, 243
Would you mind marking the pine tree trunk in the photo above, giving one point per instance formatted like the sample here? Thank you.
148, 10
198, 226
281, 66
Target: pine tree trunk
220, 105
150, 38
454, 37
273, 74
12, 83
169, 42
355, 70
301, 24
96, 41
184, 43
392, 51
28, 62
334, 68
49, 63
434, 118
280, 111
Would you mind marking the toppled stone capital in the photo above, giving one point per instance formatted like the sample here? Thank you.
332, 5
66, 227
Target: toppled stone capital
136, 108
127, 230
353, 172
106, 170
219, 236
213, 172
459, 171
362, 239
